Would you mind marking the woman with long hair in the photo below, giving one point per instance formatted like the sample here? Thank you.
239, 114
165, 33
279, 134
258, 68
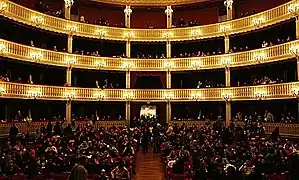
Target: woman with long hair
78, 172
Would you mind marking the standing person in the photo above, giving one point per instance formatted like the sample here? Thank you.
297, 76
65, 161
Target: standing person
13, 132
144, 140
156, 139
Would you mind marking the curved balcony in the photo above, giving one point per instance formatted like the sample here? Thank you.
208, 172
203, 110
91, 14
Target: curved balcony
39, 20
266, 55
266, 92
149, 3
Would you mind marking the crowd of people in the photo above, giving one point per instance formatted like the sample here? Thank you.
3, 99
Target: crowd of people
213, 151
106, 152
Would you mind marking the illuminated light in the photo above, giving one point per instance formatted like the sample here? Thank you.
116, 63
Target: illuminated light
38, 20
129, 34
101, 64
196, 64
167, 35
225, 29
70, 61
2, 90
294, 50
226, 62
68, 3
196, 96
36, 56
169, 65
128, 11
260, 57
101, 32
3, 6
168, 96
127, 65
100, 95
2, 48
72, 29
258, 21
128, 95
34, 94
168, 11
227, 96
228, 3
195, 32
294, 9
70, 95
295, 92
259, 94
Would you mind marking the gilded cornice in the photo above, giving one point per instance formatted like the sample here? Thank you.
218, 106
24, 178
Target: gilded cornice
27, 16
264, 92
151, 3
36, 55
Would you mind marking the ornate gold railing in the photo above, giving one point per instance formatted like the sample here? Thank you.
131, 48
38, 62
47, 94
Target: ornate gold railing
149, 3
265, 92
34, 18
30, 54
31, 127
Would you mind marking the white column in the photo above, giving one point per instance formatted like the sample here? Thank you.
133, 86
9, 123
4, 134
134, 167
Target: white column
128, 113
168, 49
128, 12
67, 8
128, 48
228, 112
297, 27
68, 112
229, 9
227, 77
168, 13
168, 80
128, 79
168, 113
226, 44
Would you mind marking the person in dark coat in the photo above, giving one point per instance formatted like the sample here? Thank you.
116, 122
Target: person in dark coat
144, 141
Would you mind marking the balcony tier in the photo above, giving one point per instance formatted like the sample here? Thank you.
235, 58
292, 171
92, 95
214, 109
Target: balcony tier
263, 92
30, 17
151, 3
266, 55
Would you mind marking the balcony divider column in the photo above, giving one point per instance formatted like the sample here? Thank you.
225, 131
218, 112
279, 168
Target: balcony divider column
168, 49
128, 113
297, 27
227, 103
228, 112
168, 13
168, 113
297, 58
68, 108
67, 8
226, 44
128, 12
229, 9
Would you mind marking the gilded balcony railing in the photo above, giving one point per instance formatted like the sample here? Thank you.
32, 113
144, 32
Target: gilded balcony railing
265, 55
263, 92
23, 15
150, 3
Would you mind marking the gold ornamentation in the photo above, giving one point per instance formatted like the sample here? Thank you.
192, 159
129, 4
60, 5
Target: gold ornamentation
68, 3
37, 20
34, 93
228, 4
2, 90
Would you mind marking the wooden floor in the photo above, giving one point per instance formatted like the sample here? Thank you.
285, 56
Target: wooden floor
149, 166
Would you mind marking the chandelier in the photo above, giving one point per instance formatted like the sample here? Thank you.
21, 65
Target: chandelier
228, 3
168, 11
68, 3
128, 11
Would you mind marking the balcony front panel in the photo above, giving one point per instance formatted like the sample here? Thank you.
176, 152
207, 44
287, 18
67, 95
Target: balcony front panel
39, 20
150, 3
266, 92
36, 55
